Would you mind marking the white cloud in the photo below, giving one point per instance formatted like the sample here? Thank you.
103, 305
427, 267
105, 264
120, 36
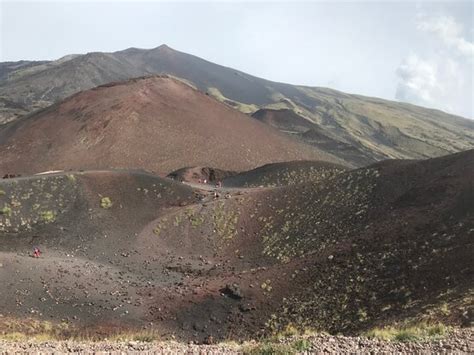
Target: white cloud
418, 80
443, 78
449, 31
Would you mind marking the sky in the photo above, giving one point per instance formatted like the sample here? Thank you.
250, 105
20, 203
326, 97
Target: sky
413, 51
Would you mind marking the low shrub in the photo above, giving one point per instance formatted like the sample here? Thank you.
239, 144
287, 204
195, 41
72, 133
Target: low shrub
7, 211
47, 216
105, 202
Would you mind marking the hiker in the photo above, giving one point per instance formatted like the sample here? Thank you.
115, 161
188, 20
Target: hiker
216, 195
205, 181
36, 252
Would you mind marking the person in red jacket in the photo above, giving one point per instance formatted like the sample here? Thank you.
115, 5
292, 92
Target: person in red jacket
36, 252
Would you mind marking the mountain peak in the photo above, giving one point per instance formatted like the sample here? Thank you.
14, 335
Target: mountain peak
164, 47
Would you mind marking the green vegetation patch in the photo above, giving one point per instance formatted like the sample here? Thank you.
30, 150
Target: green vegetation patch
295, 227
48, 216
194, 218
6, 211
36, 201
225, 222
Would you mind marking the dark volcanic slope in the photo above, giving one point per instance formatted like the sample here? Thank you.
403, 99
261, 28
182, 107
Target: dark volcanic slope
387, 242
156, 123
283, 174
360, 248
288, 121
369, 129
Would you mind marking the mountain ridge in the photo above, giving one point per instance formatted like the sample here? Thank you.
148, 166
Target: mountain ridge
374, 128
155, 123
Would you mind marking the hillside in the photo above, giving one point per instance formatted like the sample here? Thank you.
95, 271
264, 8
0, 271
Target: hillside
158, 123
342, 252
284, 174
357, 128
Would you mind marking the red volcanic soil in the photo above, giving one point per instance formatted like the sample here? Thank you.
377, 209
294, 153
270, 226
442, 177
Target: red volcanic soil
158, 123
341, 253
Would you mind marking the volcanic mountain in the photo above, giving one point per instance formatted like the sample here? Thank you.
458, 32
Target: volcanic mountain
157, 123
355, 128
315, 245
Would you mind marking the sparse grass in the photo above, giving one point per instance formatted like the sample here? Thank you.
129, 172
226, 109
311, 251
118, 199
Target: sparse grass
48, 216
269, 349
301, 345
225, 221
58, 334
290, 330
414, 332
194, 218
36, 330
6, 210
147, 336
106, 202
31, 329
14, 336
177, 220
2, 192
197, 221
40, 337
71, 177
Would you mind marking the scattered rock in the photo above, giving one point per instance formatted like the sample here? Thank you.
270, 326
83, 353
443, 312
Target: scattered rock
459, 342
232, 291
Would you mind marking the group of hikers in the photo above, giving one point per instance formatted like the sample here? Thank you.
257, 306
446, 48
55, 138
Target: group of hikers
218, 185
204, 181
217, 195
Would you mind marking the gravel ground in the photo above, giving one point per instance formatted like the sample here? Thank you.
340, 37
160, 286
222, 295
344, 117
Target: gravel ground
460, 341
